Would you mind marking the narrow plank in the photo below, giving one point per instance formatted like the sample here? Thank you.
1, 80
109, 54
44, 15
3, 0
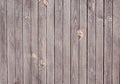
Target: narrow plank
66, 41
34, 25
83, 42
91, 42
58, 42
99, 41
27, 41
74, 40
3, 56
11, 41
108, 47
42, 43
18, 41
50, 42
116, 42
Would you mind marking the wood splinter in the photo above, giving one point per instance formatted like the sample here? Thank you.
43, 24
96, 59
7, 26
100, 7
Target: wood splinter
80, 34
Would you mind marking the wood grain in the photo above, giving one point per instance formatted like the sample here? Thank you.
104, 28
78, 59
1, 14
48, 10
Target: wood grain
59, 42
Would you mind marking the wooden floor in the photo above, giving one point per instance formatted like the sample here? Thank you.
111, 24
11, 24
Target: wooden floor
59, 41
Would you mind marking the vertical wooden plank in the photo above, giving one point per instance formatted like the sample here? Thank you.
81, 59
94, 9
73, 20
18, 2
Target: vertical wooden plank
66, 41
91, 42
34, 25
10, 41
42, 42
27, 41
83, 42
50, 42
18, 41
108, 40
116, 42
99, 41
74, 40
58, 41
3, 56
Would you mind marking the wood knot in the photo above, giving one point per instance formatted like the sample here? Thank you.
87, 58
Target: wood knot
16, 81
46, 2
80, 34
34, 56
27, 17
43, 63
109, 18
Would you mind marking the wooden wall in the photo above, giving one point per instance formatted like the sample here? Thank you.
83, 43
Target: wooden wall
59, 41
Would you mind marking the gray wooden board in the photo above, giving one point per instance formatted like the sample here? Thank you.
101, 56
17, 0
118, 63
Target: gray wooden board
82, 43
91, 42
74, 40
42, 42
50, 42
11, 41
18, 42
34, 38
3, 52
116, 42
99, 41
58, 41
27, 41
108, 42
66, 41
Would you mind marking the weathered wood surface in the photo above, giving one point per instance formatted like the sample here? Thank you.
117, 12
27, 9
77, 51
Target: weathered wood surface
59, 42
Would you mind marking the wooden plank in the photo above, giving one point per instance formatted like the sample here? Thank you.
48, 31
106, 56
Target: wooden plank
83, 42
74, 40
66, 41
3, 54
108, 40
34, 25
42, 42
116, 42
10, 41
50, 42
91, 42
27, 41
58, 41
18, 41
99, 41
